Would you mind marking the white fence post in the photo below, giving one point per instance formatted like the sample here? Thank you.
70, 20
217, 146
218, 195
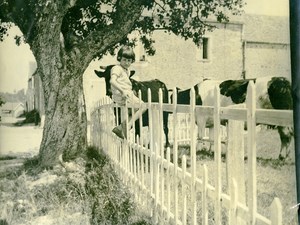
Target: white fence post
168, 181
183, 187
232, 218
175, 155
235, 155
217, 156
204, 195
251, 127
193, 157
276, 212
235, 161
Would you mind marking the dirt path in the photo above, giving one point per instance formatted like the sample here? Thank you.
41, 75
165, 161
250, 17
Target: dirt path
22, 141
17, 143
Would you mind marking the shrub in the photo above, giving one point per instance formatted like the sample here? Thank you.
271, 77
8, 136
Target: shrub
110, 202
32, 116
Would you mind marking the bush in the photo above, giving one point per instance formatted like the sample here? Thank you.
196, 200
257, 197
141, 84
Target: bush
110, 201
32, 116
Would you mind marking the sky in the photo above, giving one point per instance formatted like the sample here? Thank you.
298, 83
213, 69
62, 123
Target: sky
17, 62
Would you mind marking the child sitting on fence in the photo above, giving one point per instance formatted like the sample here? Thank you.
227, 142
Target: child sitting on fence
121, 87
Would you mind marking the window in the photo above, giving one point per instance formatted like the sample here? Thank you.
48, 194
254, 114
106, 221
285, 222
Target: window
203, 52
205, 48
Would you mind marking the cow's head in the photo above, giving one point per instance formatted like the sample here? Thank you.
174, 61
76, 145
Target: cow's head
106, 75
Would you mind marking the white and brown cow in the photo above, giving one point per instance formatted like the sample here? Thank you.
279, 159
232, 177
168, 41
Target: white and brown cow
271, 93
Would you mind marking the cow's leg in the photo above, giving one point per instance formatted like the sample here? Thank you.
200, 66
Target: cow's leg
201, 123
137, 128
166, 128
286, 134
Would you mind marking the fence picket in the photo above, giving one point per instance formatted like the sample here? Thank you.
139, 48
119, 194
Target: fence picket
251, 127
183, 186
235, 159
193, 157
151, 145
168, 181
204, 196
218, 159
156, 183
232, 218
161, 127
276, 212
162, 188
175, 155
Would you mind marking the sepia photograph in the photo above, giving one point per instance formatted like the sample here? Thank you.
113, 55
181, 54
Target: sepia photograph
146, 112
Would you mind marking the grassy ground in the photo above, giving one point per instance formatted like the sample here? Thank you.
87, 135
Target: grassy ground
89, 196
88, 193
275, 178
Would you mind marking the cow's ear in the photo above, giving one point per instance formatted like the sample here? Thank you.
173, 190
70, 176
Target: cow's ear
99, 73
132, 72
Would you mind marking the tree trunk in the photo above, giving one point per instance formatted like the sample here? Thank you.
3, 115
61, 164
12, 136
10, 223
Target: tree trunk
65, 122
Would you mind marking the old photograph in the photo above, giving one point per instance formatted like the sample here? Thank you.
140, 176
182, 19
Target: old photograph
147, 112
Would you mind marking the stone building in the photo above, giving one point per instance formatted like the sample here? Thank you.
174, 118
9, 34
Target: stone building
246, 47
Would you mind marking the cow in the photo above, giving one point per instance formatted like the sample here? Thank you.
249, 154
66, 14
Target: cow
143, 86
271, 93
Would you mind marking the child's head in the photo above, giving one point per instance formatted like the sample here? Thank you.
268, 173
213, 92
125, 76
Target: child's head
126, 52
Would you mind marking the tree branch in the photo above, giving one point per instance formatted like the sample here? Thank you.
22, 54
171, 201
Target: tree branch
127, 13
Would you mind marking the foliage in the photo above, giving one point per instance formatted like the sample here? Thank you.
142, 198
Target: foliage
185, 18
7, 157
65, 36
109, 203
32, 116
2, 101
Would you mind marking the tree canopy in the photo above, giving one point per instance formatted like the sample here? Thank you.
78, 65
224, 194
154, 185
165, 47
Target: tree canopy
66, 35
84, 21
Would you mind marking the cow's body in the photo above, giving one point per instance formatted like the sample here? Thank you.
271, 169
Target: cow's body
153, 85
271, 93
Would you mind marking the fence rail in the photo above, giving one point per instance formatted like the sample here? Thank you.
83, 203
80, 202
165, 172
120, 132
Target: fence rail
178, 193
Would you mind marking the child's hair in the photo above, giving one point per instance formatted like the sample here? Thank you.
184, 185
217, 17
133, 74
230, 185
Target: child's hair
126, 52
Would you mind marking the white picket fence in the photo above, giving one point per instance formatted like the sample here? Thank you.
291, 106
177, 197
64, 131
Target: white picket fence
177, 194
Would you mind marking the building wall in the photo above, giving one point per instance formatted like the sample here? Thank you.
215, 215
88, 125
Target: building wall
267, 59
19, 110
178, 62
93, 87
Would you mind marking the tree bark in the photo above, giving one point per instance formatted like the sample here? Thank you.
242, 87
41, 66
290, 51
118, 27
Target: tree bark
65, 124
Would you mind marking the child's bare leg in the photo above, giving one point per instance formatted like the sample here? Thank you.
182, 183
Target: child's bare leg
135, 116
121, 130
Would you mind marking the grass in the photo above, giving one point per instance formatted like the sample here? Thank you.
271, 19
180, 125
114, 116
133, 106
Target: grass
93, 194
90, 196
7, 157
275, 177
